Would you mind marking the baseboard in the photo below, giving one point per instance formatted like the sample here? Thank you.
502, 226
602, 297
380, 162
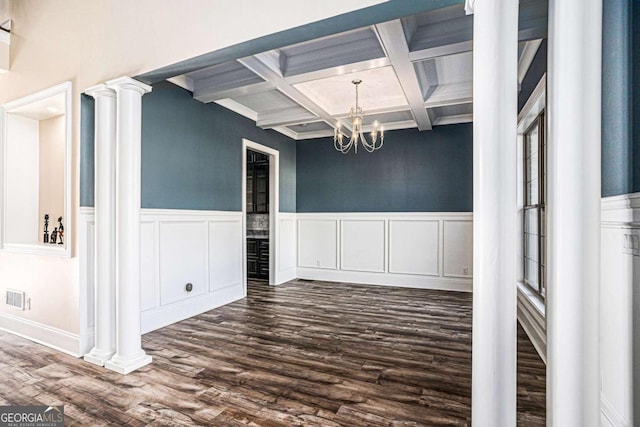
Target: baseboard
386, 279
166, 315
287, 275
60, 340
610, 416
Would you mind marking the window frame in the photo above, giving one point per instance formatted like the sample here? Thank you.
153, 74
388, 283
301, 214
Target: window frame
540, 123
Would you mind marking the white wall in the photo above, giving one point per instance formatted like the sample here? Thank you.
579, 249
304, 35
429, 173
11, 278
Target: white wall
88, 42
424, 250
21, 186
620, 277
52, 135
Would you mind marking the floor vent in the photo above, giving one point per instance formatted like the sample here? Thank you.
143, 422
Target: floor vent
15, 299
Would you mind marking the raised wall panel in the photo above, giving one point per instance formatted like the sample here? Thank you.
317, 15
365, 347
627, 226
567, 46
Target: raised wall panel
413, 247
317, 243
148, 268
363, 245
225, 254
287, 243
183, 259
458, 248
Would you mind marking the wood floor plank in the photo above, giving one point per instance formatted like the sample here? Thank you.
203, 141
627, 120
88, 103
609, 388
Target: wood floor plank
305, 353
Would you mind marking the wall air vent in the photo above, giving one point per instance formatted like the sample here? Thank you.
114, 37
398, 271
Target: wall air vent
15, 299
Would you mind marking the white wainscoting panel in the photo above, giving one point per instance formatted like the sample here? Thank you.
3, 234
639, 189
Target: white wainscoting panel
287, 241
619, 274
414, 247
183, 259
225, 257
178, 247
362, 245
458, 238
149, 293
396, 249
318, 243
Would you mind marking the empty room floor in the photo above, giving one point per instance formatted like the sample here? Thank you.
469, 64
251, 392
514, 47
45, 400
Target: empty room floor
303, 353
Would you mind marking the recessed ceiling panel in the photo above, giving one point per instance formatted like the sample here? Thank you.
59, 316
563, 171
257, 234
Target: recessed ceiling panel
310, 127
224, 76
440, 27
333, 51
453, 110
266, 101
455, 68
386, 118
379, 89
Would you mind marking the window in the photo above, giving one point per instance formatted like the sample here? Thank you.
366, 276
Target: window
534, 215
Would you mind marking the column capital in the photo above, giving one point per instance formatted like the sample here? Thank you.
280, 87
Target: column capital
127, 83
100, 90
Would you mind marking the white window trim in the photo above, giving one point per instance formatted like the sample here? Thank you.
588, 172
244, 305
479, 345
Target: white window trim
534, 106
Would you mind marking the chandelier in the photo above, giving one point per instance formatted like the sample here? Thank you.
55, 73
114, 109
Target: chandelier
356, 117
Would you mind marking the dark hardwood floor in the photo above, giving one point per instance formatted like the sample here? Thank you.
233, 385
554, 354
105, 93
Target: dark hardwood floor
303, 353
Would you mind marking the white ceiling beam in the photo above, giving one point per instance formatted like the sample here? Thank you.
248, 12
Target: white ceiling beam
236, 107
267, 66
438, 51
287, 132
526, 57
395, 45
453, 120
211, 94
183, 81
285, 117
445, 102
455, 93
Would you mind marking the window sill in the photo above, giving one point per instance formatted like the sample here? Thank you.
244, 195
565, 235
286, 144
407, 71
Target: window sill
536, 301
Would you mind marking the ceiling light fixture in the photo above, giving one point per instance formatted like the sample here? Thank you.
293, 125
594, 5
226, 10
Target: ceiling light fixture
356, 117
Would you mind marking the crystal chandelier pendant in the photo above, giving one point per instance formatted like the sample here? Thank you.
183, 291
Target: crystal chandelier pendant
356, 117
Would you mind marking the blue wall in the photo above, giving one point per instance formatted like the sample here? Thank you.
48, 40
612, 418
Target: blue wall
86, 150
617, 143
413, 172
192, 154
635, 53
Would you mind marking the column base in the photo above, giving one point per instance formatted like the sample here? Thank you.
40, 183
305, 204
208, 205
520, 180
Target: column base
125, 365
98, 357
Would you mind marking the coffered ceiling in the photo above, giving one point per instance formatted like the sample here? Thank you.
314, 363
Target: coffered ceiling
416, 72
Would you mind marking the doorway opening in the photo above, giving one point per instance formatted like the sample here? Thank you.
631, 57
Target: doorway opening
260, 166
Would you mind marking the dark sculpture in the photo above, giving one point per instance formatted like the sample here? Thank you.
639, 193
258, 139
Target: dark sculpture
45, 238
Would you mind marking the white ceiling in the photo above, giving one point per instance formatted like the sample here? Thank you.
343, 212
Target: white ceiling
416, 73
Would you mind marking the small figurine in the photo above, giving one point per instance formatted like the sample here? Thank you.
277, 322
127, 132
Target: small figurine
60, 231
54, 236
45, 238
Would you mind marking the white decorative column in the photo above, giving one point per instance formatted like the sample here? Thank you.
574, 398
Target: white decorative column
495, 89
129, 353
574, 111
105, 224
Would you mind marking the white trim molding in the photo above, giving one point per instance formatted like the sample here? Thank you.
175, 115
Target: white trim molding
430, 250
619, 273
